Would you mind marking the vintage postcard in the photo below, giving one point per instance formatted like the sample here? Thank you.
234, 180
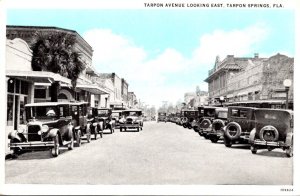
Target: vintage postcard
192, 97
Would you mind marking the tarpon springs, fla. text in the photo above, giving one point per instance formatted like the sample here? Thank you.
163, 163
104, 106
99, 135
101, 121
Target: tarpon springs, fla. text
213, 5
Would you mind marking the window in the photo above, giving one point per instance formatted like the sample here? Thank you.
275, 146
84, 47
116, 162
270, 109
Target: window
10, 85
239, 113
40, 93
24, 88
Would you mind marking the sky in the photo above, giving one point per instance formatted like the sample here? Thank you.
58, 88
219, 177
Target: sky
163, 53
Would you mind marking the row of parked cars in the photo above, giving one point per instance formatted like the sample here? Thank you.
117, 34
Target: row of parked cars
261, 128
51, 125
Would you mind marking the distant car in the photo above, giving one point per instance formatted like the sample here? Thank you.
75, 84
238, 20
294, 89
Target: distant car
104, 119
240, 122
132, 119
218, 124
92, 122
49, 126
162, 117
273, 129
209, 114
198, 120
116, 116
190, 116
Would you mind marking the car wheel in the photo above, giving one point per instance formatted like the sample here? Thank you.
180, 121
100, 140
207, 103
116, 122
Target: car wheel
71, 145
55, 149
253, 149
227, 142
206, 136
289, 150
88, 137
78, 138
214, 139
121, 130
233, 130
138, 129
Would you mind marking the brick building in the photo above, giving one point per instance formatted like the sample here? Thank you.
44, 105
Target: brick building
250, 78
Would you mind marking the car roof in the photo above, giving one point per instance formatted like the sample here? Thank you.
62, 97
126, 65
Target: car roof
47, 104
242, 107
103, 108
222, 109
132, 110
275, 110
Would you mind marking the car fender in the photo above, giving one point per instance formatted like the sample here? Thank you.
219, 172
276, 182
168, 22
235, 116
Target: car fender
252, 136
288, 139
53, 132
14, 135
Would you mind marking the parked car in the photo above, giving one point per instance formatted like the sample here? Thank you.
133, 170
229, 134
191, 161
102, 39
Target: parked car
218, 124
132, 119
190, 116
178, 118
49, 126
209, 114
92, 122
105, 120
162, 117
79, 113
116, 116
240, 122
273, 129
198, 120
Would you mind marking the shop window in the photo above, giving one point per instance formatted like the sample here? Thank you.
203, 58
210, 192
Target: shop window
24, 87
10, 85
10, 103
40, 93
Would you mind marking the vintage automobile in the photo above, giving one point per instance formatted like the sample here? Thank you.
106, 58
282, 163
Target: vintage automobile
190, 116
273, 129
79, 111
49, 126
104, 119
198, 120
116, 116
131, 119
178, 118
92, 122
218, 124
240, 122
162, 117
209, 114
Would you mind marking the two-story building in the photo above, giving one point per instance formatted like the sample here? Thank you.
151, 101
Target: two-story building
250, 78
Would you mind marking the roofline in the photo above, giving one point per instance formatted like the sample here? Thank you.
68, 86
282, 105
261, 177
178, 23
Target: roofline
49, 27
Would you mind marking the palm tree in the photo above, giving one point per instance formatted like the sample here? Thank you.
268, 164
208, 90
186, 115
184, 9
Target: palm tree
54, 52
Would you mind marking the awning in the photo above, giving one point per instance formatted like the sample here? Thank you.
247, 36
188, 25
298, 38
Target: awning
92, 88
38, 76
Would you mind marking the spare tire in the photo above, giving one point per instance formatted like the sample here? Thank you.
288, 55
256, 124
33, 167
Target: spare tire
205, 123
269, 133
233, 130
218, 124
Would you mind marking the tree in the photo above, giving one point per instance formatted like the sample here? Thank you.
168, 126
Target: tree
55, 52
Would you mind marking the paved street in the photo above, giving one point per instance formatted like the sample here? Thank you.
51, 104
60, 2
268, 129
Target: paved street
163, 153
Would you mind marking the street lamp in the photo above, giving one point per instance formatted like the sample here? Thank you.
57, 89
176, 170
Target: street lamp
287, 83
221, 100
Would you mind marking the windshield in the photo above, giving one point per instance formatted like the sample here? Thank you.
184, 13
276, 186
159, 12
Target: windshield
115, 114
42, 112
103, 112
132, 113
223, 114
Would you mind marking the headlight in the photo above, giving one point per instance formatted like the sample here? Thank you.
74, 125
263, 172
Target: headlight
45, 128
21, 130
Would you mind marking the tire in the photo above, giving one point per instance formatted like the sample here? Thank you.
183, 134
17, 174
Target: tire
289, 150
96, 133
121, 130
78, 138
227, 142
267, 131
205, 123
206, 136
233, 130
138, 129
55, 150
253, 149
71, 145
214, 138
218, 124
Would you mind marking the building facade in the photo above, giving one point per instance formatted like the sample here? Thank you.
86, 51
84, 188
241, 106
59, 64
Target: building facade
132, 100
253, 78
124, 92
